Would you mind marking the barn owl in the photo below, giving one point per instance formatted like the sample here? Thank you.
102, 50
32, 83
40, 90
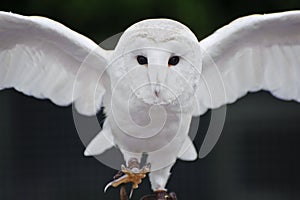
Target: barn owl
155, 80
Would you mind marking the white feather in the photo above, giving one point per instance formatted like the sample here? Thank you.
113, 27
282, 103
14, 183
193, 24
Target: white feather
188, 151
41, 58
252, 53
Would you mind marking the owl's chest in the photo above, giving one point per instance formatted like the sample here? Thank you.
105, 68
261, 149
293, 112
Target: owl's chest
139, 127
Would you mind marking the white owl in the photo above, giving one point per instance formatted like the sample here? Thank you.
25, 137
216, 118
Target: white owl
154, 81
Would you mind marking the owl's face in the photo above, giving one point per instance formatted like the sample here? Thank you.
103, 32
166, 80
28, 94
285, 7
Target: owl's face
161, 66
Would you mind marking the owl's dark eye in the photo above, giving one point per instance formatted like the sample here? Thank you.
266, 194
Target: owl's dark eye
174, 60
142, 60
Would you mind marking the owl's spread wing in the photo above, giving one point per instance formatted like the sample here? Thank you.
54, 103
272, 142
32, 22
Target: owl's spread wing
258, 52
43, 58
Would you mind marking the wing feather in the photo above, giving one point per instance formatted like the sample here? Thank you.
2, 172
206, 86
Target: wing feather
258, 52
43, 58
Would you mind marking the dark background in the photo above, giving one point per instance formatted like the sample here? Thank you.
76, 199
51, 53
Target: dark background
41, 155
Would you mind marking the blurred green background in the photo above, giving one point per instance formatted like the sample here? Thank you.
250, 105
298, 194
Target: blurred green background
41, 155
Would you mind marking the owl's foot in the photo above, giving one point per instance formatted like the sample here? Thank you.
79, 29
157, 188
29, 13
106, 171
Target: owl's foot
131, 174
160, 195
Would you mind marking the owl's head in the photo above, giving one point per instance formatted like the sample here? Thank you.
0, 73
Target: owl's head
160, 59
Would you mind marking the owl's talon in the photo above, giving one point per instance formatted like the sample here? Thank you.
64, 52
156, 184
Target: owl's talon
132, 174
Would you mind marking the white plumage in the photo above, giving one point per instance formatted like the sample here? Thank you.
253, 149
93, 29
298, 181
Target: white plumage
155, 80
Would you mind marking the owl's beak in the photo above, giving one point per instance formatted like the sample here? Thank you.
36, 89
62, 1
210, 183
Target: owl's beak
157, 75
